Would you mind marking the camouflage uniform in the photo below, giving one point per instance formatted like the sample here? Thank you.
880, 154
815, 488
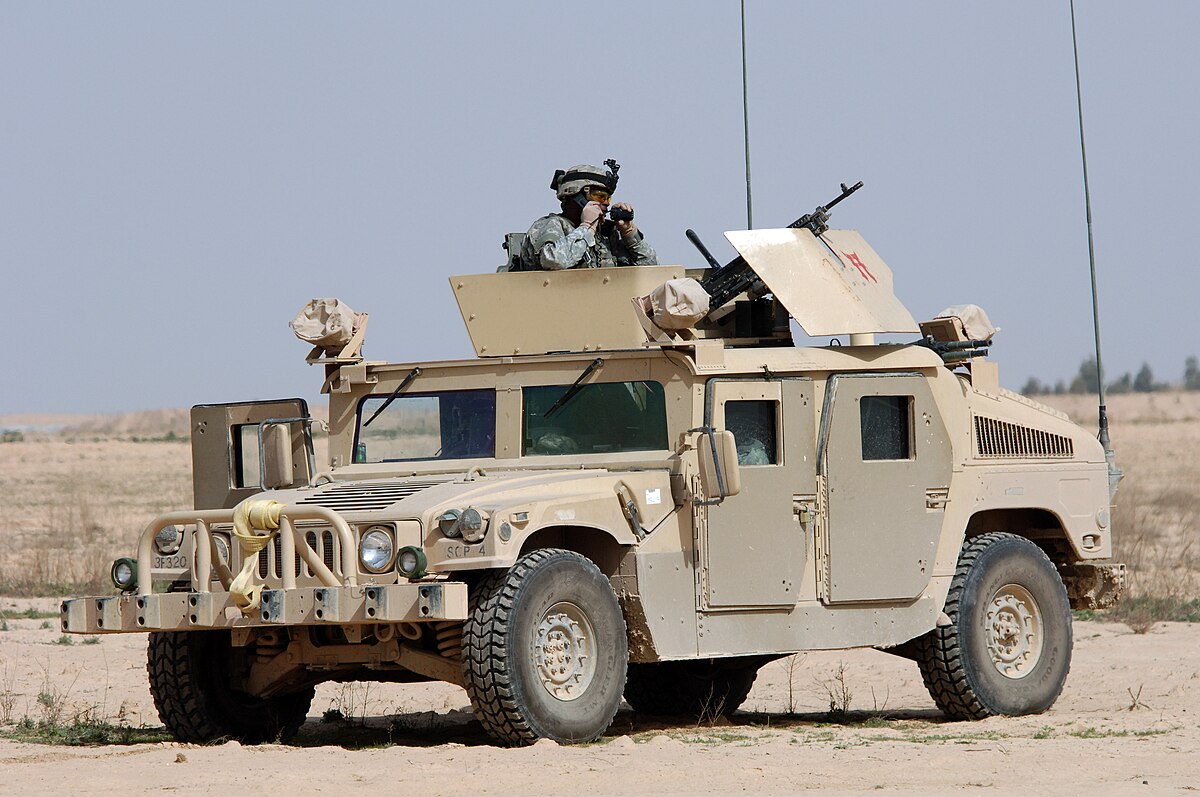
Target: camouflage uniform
554, 243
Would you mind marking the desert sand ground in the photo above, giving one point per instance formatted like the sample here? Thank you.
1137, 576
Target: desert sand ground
420, 739
1125, 724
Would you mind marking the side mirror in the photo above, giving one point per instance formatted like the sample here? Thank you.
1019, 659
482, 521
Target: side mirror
720, 474
277, 456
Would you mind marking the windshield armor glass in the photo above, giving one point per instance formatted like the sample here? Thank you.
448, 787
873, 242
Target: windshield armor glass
457, 424
600, 418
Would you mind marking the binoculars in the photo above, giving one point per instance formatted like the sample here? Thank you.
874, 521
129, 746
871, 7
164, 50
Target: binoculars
620, 214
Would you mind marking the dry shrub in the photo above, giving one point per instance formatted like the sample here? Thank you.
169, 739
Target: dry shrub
838, 692
71, 506
68, 550
8, 694
1154, 537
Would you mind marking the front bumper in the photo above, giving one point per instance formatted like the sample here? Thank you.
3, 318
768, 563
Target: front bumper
198, 611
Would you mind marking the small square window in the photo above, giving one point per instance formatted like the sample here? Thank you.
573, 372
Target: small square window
753, 427
245, 456
886, 424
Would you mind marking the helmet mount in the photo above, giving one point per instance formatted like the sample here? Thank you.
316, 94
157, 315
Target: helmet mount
568, 182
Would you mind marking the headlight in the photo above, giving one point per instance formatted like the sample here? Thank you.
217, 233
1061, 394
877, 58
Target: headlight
168, 539
411, 562
448, 523
375, 550
124, 574
473, 525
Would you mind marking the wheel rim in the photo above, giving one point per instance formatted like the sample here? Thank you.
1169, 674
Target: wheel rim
564, 651
1014, 631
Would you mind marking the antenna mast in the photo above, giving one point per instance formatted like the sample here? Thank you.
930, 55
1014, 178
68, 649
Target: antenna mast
746, 124
1114, 473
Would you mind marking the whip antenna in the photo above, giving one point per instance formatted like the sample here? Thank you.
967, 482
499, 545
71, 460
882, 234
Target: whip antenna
746, 124
1114, 473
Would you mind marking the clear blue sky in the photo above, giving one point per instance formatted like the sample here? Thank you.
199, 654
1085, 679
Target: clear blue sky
177, 180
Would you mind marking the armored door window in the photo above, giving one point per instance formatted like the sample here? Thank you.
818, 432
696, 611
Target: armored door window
753, 424
886, 426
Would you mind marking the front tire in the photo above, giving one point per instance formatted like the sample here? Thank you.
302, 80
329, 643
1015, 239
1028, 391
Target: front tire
1007, 649
545, 651
190, 674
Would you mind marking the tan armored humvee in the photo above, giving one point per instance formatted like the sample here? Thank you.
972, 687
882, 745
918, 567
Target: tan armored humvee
595, 507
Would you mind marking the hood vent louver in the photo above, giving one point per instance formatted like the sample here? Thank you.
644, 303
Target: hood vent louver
996, 439
366, 496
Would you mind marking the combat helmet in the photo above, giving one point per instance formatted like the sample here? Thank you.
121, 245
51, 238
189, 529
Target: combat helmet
567, 183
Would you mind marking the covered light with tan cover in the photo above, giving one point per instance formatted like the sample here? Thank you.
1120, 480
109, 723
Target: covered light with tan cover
328, 323
678, 303
972, 320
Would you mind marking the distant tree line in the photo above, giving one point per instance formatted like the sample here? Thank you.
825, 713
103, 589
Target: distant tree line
1087, 380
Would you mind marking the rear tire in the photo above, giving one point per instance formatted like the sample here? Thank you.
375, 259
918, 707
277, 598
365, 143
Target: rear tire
544, 650
697, 690
1007, 649
190, 681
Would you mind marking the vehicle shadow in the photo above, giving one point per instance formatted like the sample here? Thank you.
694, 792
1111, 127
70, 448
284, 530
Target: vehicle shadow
459, 727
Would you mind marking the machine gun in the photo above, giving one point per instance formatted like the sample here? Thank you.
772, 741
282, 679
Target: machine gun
736, 276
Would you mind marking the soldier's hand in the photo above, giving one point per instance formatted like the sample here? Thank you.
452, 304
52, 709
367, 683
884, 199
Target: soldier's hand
592, 213
626, 228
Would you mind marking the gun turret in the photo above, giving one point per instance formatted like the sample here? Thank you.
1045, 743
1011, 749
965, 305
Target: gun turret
737, 277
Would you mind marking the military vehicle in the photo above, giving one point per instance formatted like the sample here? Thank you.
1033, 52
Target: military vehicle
600, 505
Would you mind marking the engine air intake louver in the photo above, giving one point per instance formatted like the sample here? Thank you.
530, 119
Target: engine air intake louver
996, 439
365, 495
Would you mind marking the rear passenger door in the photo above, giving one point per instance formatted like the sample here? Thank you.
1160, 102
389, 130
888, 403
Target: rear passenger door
886, 457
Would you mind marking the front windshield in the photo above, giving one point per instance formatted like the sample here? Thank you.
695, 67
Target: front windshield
600, 418
458, 424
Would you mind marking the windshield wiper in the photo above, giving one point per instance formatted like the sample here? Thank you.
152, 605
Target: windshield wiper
574, 389
413, 374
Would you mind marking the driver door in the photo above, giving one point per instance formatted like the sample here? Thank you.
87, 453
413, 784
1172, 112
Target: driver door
754, 543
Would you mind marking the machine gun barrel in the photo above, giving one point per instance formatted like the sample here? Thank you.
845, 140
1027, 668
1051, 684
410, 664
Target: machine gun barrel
696, 242
736, 276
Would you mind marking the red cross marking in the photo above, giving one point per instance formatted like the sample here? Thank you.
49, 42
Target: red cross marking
856, 261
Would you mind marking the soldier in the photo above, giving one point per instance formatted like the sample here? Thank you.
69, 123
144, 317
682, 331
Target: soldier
579, 236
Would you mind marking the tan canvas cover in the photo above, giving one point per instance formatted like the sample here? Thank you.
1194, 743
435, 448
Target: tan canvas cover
678, 303
833, 285
328, 323
975, 322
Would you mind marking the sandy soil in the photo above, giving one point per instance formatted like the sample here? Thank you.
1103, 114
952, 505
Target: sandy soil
1091, 742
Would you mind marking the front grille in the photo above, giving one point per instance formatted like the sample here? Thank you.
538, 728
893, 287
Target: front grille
324, 542
325, 545
996, 439
365, 495
271, 560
